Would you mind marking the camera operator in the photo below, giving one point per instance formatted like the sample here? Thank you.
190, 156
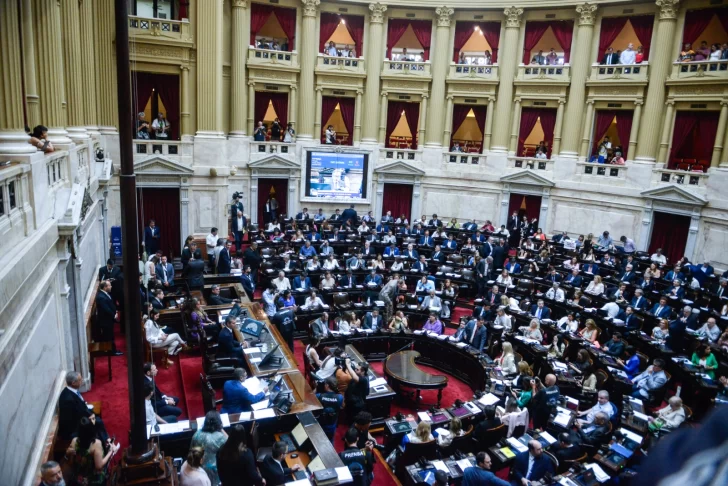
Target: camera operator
358, 389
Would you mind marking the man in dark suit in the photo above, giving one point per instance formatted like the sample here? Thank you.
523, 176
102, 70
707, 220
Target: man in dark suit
566, 450
235, 397
349, 215
239, 223
373, 320
165, 406
493, 297
194, 271
484, 271
151, 238
539, 311
273, 467
540, 465
638, 301
689, 318
223, 261
284, 320
427, 240
72, 407
187, 253
592, 268
165, 273
553, 276
610, 57
661, 309
438, 256
253, 259
411, 253
247, 281
595, 433
302, 281
236, 206
628, 274
157, 299
499, 255
228, 346
109, 271
573, 279
217, 299
106, 315
475, 334
421, 265
348, 280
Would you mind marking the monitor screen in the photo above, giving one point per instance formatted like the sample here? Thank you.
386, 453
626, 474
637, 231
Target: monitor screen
331, 175
459, 412
299, 435
440, 417
401, 427
428, 475
316, 465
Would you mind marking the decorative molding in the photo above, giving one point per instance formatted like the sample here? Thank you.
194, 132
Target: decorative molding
668, 9
407, 84
239, 4
513, 17
528, 177
376, 15
444, 15
310, 7
400, 167
274, 162
697, 90
674, 194
587, 13
157, 51
160, 165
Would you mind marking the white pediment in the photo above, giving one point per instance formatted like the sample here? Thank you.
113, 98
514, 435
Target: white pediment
673, 193
274, 162
161, 165
529, 177
400, 167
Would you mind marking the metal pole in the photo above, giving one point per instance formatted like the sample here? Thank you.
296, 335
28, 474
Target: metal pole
139, 450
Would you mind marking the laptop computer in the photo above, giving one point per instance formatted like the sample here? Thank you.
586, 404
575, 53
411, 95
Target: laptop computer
252, 327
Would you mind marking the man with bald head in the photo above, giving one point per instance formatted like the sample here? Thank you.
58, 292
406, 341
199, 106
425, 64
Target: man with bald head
544, 401
480, 475
531, 465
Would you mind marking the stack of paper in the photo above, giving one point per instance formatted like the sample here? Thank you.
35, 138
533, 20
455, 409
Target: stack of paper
344, 474
302, 482
424, 416
488, 399
515, 444
260, 405
440, 466
548, 437
599, 473
562, 419
464, 464
253, 385
377, 382
264, 413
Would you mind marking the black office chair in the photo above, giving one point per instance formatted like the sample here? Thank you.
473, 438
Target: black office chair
414, 451
492, 437
565, 465
462, 443
208, 395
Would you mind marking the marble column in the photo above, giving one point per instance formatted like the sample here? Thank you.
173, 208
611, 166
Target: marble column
317, 112
107, 109
49, 61
587, 123
515, 127
184, 123
558, 128
308, 50
423, 118
383, 118
718, 146
666, 130
251, 107
357, 117
13, 139
292, 105
238, 92
660, 65
634, 132
209, 69
448, 123
724, 157
440, 65
88, 74
375, 53
489, 115
692, 240
32, 104
72, 71
507, 65
579, 71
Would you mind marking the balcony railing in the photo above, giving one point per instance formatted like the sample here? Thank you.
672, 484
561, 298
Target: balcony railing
171, 29
473, 71
272, 148
619, 72
157, 147
399, 154
406, 68
680, 177
601, 170
268, 57
530, 163
700, 69
339, 65
463, 158
533, 72
57, 168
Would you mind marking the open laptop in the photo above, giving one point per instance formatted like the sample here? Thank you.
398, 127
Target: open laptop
252, 327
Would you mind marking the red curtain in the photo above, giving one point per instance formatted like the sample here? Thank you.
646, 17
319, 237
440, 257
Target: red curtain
529, 117
722, 14
412, 114
280, 186
459, 113
533, 205
602, 122
328, 25
480, 113
695, 23
698, 143
611, 27
280, 105
463, 31
624, 127
347, 105
564, 32
287, 18
398, 199
642, 26
328, 105
395, 30
548, 122
162, 205
355, 26
259, 14
685, 122
423, 32
167, 86
669, 232
491, 32
534, 32
143, 85
394, 112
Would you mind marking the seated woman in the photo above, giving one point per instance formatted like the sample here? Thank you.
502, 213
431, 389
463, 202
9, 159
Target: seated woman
39, 139
571, 264
589, 381
525, 394
568, 323
588, 256
704, 358
539, 235
661, 331
313, 264
524, 371
532, 331
617, 159
670, 417
556, 350
489, 422
445, 436
328, 282
85, 461
448, 296
398, 265
582, 361
342, 324
331, 264
513, 416
377, 264
161, 338
354, 321
199, 320
543, 259
507, 360
398, 322
505, 279
590, 332
277, 235
311, 354
531, 271
468, 247
423, 433
595, 287
453, 224
273, 225
287, 301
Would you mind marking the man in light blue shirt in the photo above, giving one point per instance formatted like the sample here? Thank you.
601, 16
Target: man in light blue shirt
628, 244
307, 250
605, 240
269, 299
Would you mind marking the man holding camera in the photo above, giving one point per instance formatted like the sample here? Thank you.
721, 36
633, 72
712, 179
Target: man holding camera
358, 389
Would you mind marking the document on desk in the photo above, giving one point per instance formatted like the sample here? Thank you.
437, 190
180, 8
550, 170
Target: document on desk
599, 473
461, 345
377, 382
464, 464
618, 372
489, 399
548, 437
515, 444
252, 350
260, 405
640, 415
300, 482
424, 416
562, 419
344, 474
256, 360
631, 435
440, 466
245, 416
264, 413
225, 418
253, 385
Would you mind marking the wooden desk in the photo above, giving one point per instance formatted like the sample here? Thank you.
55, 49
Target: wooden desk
402, 371
233, 290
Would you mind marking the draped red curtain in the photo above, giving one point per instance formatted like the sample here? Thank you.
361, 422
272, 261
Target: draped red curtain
602, 122
162, 205
480, 113
327, 27
398, 199
534, 32
287, 18
412, 114
491, 32
261, 105
423, 32
459, 113
685, 122
529, 117
395, 30
611, 27
346, 105
328, 105
142, 85
394, 112
280, 105
355, 26
624, 127
259, 14
280, 188
548, 122
699, 141
167, 85
564, 32
533, 205
642, 26
669, 232
695, 23
463, 31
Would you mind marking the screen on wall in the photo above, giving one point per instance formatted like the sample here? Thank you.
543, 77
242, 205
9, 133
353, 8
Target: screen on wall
331, 175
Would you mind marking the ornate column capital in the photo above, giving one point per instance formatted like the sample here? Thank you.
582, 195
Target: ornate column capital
724, 103
590, 102
293, 87
443, 16
310, 7
319, 89
639, 102
240, 4
425, 96
450, 97
670, 102
668, 9
587, 13
562, 101
184, 67
517, 99
513, 17
360, 91
384, 94
377, 12
251, 84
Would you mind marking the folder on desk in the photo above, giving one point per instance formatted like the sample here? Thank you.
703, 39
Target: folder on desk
508, 452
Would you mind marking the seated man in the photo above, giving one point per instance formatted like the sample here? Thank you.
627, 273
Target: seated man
628, 275
647, 383
566, 449
437, 255
539, 311
273, 467
307, 250
302, 281
391, 250
709, 330
531, 465
411, 253
661, 310
228, 346
348, 281
595, 433
373, 279
555, 293
638, 301
602, 406
433, 324
615, 346
427, 240
320, 327
217, 299
421, 265
152, 416
431, 301
373, 320
573, 279
619, 293
288, 264
164, 405
236, 397
281, 282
